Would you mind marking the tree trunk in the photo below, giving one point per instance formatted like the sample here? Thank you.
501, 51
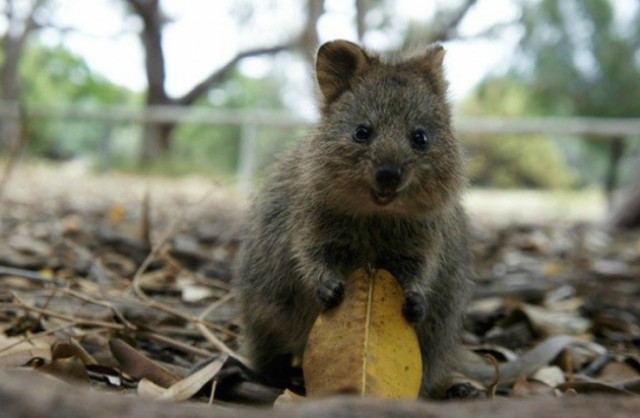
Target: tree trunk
626, 214
156, 141
361, 27
10, 127
310, 39
13, 43
616, 151
156, 137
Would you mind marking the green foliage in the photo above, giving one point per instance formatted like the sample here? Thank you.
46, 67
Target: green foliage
580, 58
216, 149
511, 161
56, 77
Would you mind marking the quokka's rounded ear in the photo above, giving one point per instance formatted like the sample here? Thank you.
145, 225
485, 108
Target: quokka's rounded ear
430, 64
434, 56
337, 65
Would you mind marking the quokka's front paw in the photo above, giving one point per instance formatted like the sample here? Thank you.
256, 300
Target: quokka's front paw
415, 307
330, 293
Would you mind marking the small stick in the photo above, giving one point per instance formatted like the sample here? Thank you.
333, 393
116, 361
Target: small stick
31, 337
567, 359
145, 227
216, 342
215, 305
106, 304
214, 385
210, 336
53, 314
491, 390
14, 151
176, 344
30, 275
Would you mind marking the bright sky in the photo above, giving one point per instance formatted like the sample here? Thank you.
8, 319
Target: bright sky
204, 34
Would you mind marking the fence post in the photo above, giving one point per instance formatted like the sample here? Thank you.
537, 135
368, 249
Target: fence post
105, 147
248, 161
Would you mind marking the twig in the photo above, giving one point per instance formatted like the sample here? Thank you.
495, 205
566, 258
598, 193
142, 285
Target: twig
96, 263
568, 366
210, 336
106, 304
176, 344
215, 305
174, 312
491, 390
30, 275
145, 227
152, 303
32, 337
14, 153
213, 339
212, 395
53, 314
168, 232
46, 302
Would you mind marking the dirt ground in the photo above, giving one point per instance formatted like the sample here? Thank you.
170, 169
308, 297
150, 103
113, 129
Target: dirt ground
75, 183
87, 259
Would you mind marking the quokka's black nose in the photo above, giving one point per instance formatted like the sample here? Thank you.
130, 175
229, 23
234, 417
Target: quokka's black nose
388, 176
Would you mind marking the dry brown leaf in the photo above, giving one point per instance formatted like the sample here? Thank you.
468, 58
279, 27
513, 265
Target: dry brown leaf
148, 390
72, 348
594, 387
190, 385
17, 358
288, 398
116, 214
70, 368
616, 372
551, 376
138, 366
530, 387
555, 269
555, 322
365, 345
16, 351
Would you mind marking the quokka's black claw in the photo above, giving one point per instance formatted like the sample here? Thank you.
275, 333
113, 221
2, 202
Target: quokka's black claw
414, 308
330, 294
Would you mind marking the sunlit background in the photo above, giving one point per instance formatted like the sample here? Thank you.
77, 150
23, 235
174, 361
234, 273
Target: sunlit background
228, 85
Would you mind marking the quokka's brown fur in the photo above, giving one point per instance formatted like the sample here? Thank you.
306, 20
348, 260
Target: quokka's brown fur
376, 184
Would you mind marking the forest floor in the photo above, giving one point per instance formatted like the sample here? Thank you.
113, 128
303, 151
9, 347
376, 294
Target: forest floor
99, 274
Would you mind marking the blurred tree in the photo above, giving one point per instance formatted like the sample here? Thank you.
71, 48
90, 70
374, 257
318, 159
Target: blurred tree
57, 77
21, 21
310, 39
443, 27
511, 161
216, 149
580, 57
157, 136
627, 214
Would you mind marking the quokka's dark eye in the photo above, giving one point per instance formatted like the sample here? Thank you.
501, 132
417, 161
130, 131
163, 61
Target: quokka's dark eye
419, 139
362, 134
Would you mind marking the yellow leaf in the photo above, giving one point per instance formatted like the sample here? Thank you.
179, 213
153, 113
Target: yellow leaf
116, 214
554, 269
365, 345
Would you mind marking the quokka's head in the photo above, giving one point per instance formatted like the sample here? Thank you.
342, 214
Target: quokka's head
384, 143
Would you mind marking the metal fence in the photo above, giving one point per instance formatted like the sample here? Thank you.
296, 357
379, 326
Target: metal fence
250, 121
